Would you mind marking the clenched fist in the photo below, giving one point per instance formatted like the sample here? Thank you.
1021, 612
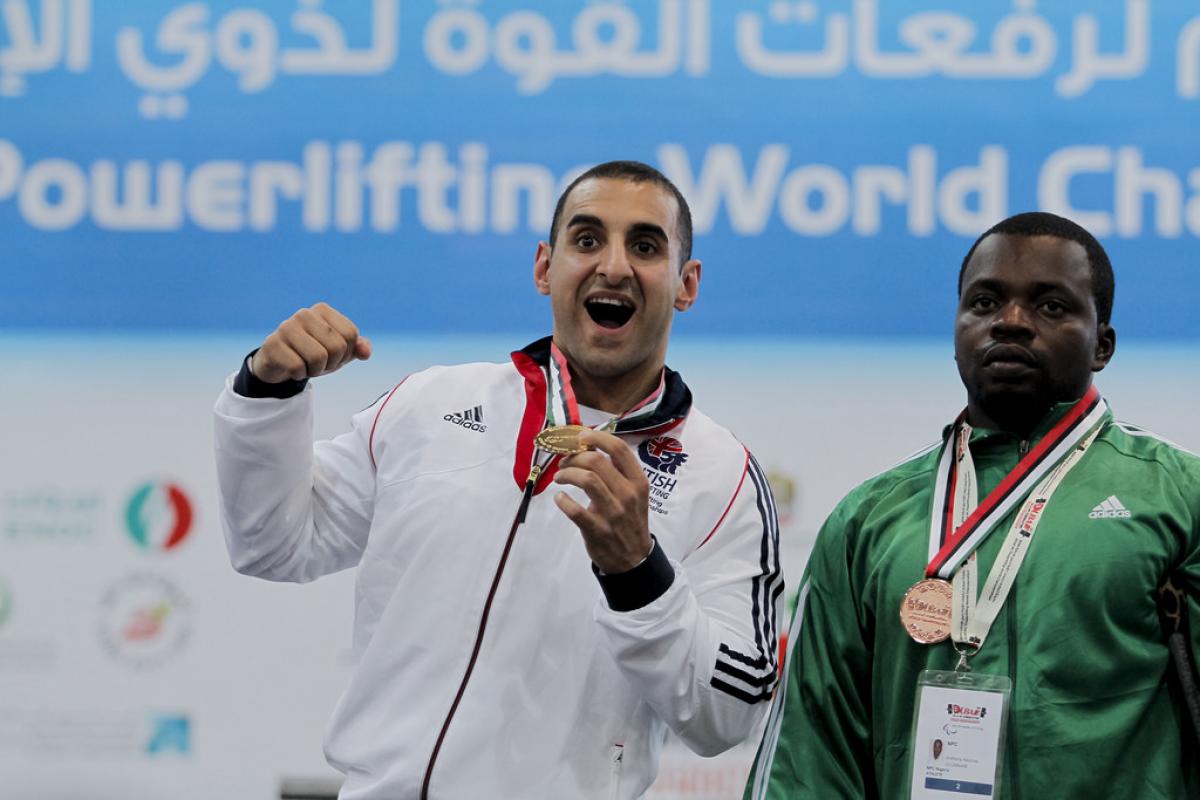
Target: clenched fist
313, 341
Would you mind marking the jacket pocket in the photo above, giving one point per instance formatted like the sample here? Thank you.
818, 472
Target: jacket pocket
618, 760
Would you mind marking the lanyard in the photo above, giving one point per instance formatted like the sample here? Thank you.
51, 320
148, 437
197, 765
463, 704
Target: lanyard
952, 540
563, 409
972, 617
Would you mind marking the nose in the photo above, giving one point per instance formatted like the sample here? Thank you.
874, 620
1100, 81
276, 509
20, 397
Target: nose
1013, 321
615, 267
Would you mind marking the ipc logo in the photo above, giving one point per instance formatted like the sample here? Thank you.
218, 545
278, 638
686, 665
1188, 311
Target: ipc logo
159, 516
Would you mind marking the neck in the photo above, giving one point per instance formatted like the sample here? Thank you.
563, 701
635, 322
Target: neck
1019, 422
614, 395
1019, 417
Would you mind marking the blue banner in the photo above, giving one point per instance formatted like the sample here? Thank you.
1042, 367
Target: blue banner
213, 165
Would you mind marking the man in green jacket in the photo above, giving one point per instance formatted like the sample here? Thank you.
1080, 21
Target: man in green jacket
1073, 520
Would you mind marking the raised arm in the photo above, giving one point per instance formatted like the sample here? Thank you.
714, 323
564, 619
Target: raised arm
293, 511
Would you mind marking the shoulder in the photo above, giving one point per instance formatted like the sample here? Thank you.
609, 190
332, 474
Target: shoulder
479, 373
436, 384
708, 460
1135, 441
711, 440
1145, 449
474, 395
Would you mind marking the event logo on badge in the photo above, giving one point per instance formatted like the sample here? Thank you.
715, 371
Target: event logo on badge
158, 516
145, 620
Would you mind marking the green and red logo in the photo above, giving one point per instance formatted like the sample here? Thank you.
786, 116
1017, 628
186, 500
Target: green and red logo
159, 516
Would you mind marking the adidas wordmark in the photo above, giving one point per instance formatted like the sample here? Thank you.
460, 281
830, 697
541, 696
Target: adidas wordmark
471, 419
1110, 508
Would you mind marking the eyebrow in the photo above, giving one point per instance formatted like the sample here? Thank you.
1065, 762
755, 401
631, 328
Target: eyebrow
643, 228
1041, 287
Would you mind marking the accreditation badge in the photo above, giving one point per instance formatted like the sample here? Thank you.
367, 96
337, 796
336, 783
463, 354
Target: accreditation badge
957, 740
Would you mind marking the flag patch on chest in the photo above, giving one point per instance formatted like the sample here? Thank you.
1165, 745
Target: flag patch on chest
661, 457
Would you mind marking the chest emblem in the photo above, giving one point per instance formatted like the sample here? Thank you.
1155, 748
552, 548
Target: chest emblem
662, 453
471, 419
1110, 508
661, 456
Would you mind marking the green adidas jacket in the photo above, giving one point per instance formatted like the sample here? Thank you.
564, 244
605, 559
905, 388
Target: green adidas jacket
1092, 715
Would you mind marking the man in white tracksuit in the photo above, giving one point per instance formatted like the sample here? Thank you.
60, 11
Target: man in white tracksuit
512, 642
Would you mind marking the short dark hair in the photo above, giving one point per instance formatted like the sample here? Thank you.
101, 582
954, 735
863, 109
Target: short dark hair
634, 172
1042, 223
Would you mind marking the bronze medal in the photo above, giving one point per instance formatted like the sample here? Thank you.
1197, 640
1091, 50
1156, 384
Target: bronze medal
562, 440
925, 610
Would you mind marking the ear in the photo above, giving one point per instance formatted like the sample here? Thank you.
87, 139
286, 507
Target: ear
689, 285
1106, 345
541, 268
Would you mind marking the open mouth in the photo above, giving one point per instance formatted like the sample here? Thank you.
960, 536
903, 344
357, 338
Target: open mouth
609, 312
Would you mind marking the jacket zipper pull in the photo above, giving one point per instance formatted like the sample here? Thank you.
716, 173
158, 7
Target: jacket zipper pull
527, 495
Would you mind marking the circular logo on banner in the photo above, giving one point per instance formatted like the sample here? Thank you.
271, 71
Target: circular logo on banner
144, 620
159, 516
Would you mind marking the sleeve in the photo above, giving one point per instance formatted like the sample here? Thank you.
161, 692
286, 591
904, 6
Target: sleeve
704, 653
817, 742
291, 510
1180, 600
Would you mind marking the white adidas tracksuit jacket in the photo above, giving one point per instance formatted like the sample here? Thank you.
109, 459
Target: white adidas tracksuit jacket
489, 662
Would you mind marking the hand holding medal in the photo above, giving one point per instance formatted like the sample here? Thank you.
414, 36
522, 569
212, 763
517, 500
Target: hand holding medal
614, 525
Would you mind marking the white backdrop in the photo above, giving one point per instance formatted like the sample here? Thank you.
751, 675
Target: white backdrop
131, 669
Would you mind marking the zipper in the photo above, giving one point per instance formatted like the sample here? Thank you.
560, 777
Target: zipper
1022, 448
527, 495
618, 761
535, 472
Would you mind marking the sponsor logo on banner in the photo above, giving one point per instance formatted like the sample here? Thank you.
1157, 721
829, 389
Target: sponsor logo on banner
783, 489
662, 456
169, 734
30, 655
128, 735
158, 516
145, 621
50, 514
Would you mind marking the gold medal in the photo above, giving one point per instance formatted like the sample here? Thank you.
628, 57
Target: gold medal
925, 610
562, 440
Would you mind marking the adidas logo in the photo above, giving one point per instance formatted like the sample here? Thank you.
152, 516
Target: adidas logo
471, 419
1110, 509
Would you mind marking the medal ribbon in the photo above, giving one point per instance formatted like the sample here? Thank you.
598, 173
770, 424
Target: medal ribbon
970, 618
563, 409
951, 541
